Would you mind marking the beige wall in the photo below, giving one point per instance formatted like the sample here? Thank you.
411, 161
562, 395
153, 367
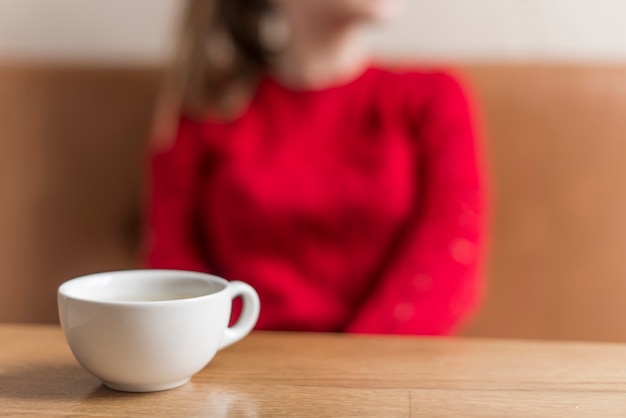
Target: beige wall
470, 30
519, 30
87, 30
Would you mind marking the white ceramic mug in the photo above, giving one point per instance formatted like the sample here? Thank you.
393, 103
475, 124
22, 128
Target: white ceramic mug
150, 330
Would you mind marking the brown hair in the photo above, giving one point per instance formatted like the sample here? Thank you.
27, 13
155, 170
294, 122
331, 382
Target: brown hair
219, 58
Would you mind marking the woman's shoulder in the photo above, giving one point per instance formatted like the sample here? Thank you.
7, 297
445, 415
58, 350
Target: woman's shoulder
207, 125
429, 79
421, 88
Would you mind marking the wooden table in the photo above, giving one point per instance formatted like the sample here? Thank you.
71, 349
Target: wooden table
317, 375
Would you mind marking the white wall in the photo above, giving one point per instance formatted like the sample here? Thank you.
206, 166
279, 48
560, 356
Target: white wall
87, 30
140, 30
548, 30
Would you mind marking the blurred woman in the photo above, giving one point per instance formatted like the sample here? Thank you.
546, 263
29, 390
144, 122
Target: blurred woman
347, 194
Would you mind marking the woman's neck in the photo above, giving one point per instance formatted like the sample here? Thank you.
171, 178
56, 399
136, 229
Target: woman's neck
319, 56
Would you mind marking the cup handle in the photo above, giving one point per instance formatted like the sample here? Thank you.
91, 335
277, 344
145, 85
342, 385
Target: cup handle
249, 313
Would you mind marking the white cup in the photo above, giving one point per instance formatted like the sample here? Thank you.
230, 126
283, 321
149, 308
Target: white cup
150, 330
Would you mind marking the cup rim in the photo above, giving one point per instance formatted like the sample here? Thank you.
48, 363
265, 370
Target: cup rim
64, 287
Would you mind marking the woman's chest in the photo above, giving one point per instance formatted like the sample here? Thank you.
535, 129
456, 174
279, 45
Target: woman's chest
310, 168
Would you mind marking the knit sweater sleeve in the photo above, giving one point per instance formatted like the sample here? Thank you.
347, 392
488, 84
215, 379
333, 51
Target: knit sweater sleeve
431, 281
174, 241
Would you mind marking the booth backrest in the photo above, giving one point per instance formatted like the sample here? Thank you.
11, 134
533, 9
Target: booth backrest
70, 146
71, 143
558, 152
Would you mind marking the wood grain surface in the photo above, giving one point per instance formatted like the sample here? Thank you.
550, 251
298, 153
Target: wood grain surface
322, 375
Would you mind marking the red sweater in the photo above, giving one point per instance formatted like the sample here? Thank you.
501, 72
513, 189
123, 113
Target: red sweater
356, 208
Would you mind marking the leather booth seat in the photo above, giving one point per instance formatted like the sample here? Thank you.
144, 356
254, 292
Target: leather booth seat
71, 141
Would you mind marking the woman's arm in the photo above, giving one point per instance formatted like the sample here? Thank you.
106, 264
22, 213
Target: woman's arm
431, 280
173, 240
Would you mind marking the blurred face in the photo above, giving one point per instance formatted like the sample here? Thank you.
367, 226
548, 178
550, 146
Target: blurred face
349, 11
